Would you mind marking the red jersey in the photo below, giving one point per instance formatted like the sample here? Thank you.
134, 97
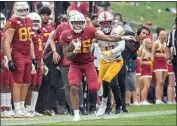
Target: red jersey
84, 56
22, 36
46, 30
38, 44
59, 30
56, 37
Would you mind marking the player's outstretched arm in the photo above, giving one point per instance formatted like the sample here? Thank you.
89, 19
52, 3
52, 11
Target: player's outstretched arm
112, 38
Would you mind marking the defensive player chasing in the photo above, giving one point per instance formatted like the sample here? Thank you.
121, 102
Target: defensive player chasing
111, 60
81, 37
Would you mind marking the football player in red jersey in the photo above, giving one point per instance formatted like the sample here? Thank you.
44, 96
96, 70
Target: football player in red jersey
46, 28
82, 60
64, 65
36, 77
6, 78
20, 59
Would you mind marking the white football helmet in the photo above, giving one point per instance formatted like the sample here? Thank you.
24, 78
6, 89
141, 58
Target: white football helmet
37, 21
76, 16
3, 21
19, 9
105, 20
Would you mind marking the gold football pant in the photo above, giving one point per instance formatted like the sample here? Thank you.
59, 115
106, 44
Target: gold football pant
108, 70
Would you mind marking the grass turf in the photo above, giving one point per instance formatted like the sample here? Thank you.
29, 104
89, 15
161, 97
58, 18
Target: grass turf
153, 120
135, 13
138, 115
142, 120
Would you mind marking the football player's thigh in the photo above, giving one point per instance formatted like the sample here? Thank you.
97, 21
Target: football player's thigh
92, 77
19, 72
103, 68
113, 70
27, 71
74, 75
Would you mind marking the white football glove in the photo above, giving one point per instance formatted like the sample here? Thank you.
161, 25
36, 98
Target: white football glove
46, 70
77, 45
33, 71
128, 38
6, 62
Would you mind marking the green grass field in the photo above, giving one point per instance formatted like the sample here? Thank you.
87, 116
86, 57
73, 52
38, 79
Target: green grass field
135, 13
138, 115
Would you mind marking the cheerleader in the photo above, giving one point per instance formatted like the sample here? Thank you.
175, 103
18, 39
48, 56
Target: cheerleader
160, 64
146, 70
138, 73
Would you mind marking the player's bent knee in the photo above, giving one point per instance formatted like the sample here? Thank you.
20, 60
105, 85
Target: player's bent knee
74, 88
95, 87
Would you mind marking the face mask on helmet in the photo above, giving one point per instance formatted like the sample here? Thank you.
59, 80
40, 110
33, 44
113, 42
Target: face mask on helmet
106, 26
77, 22
106, 21
78, 26
3, 21
21, 9
37, 22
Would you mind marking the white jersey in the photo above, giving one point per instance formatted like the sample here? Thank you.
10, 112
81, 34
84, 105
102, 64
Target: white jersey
115, 47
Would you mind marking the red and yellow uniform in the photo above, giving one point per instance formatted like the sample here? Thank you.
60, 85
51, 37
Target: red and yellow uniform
6, 76
160, 62
146, 68
56, 37
82, 64
46, 29
21, 46
37, 40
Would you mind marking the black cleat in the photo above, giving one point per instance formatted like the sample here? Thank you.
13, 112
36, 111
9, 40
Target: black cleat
118, 111
83, 111
125, 110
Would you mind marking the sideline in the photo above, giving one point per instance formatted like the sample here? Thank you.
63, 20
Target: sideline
63, 118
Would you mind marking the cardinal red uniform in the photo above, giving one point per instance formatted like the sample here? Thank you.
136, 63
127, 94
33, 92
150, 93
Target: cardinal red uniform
37, 40
46, 30
6, 76
21, 49
56, 37
82, 64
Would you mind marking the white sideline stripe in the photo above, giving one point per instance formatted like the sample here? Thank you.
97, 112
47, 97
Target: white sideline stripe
64, 118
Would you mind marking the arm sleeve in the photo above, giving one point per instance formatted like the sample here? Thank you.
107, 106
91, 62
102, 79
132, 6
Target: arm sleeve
120, 47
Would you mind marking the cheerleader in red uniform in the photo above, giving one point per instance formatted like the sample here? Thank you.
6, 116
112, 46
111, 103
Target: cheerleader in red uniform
138, 74
146, 70
171, 82
160, 64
